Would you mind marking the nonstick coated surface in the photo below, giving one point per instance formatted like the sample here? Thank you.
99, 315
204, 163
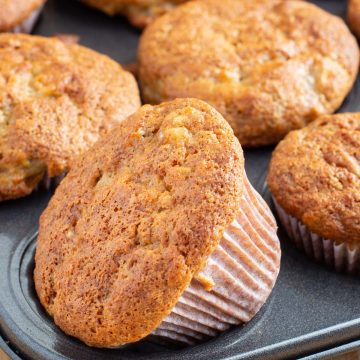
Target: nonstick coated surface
311, 308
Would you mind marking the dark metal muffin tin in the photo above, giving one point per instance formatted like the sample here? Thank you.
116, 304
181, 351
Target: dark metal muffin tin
311, 309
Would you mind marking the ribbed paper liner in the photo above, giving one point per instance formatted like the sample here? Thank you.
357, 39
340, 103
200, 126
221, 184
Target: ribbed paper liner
337, 256
243, 267
27, 25
48, 182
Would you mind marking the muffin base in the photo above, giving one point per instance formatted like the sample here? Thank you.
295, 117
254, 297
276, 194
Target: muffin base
337, 256
28, 25
240, 274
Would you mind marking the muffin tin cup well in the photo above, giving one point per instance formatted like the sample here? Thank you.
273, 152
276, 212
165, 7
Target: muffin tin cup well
236, 281
337, 256
28, 24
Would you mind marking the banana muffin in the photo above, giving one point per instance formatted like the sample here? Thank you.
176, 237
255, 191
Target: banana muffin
354, 16
55, 101
314, 178
156, 230
19, 15
267, 66
139, 12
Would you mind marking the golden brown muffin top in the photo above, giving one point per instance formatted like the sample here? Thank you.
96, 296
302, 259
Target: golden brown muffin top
353, 15
136, 219
139, 12
55, 101
268, 66
315, 176
14, 12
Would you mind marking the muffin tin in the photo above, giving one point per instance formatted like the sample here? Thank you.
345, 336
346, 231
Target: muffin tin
311, 310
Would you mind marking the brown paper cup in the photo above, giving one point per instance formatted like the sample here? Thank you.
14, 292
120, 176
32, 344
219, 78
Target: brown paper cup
337, 256
243, 269
28, 25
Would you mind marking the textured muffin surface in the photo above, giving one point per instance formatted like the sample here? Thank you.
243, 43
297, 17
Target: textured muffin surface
314, 175
267, 66
139, 12
55, 101
14, 12
136, 219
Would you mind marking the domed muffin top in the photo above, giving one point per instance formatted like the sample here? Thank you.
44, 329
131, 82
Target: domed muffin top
315, 176
268, 66
135, 219
55, 101
14, 12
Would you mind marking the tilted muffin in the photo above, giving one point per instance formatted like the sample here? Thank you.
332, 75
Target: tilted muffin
268, 66
314, 178
139, 12
353, 15
55, 101
157, 230
19, 15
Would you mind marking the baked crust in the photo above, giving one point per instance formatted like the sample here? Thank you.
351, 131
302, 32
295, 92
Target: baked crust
314, 175
139, 12
268, 66
14, 12
55, 101
136, 219
353, 15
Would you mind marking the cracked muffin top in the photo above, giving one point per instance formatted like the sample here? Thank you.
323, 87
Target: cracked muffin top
267, 66
315, 176
139, 12
136, 219
55, 101
14, 12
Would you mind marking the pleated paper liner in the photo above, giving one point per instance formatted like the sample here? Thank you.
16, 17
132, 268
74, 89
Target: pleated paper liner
242, 271
28, 24
48, 182
337, 256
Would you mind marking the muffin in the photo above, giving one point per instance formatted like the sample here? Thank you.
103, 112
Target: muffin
19, 15
140, 13
156, 230
354, 16
267, 66
55, 101
314, 178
